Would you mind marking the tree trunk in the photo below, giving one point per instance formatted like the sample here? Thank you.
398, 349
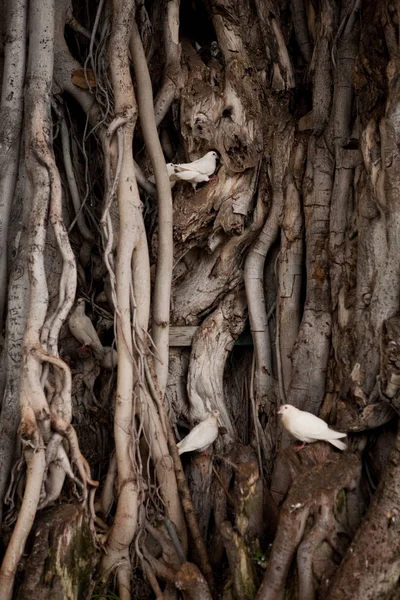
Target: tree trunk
276, 281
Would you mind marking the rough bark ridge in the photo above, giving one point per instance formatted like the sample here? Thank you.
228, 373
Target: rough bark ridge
294, 240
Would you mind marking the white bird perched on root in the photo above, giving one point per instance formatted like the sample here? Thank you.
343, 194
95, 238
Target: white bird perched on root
308, 428
83, 330
195, 172
170, 171
110, 358
201, 436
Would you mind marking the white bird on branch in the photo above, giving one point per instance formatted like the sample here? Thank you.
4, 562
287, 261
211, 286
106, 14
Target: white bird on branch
195, 172
308, 428
201, 436
110, 358
171, 173
83, 330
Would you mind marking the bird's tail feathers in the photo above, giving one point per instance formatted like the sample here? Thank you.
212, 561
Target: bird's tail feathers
338, 444
335, 435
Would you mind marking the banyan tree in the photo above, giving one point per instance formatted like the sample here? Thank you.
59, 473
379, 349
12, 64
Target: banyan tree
276, 282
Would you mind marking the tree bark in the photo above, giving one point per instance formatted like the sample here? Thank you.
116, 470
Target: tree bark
293, 246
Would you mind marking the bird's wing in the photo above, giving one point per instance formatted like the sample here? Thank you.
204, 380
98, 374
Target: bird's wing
334, 435
201, 165
83, 329
306, 426
194, 176
317, 428
193, 437
199, 437
89, 330
78, 333
193, 166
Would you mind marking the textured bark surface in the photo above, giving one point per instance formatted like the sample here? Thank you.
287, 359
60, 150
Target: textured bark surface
62, 559
285, 264
372, 570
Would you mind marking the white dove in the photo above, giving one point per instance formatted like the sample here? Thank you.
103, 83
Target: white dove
110, 358
197, 171
201, 436
308, 428
82, 329
170, 171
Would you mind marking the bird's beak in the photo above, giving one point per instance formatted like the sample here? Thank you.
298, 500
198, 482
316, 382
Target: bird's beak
280, 411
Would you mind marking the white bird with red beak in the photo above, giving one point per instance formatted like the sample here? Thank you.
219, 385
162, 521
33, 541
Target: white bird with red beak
308, 428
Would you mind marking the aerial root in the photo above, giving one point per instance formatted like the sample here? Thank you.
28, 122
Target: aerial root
66, 430
314, 493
